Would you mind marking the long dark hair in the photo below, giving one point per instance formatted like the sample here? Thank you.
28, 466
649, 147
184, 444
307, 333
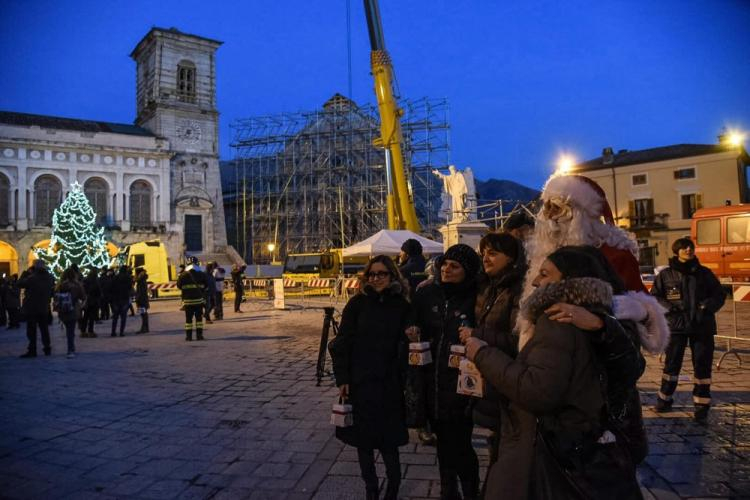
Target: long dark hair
392, 269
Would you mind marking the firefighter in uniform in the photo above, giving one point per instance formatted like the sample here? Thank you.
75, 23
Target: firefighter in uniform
692, 295
192, 283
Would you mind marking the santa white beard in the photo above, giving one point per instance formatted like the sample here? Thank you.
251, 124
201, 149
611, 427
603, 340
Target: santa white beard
578, 228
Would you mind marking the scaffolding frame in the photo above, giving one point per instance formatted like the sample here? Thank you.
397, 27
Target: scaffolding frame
310, 181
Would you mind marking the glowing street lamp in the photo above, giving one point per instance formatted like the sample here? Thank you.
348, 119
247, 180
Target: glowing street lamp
271, 247
736, 138
565, 163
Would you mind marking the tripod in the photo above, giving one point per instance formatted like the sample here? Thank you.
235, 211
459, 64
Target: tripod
328, 322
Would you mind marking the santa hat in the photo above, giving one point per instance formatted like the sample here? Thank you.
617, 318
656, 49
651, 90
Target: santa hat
583, 192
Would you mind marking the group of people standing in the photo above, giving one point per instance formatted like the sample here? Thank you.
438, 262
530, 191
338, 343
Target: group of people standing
555, 325
202, 293
80, 301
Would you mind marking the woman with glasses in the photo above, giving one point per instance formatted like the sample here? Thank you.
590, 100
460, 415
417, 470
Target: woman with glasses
441, 308
369, 362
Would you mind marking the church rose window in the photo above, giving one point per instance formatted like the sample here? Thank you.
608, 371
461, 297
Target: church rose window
4, 200
47, 197
96, 191
140, 204
186, 81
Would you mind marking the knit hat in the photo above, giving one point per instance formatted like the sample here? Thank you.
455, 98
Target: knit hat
583, 192
412, 247
466, 256
577, 262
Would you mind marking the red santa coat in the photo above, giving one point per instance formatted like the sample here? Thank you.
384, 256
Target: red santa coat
626, 266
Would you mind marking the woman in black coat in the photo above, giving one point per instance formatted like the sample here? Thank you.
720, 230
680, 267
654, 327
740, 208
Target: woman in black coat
369, 362
441, 308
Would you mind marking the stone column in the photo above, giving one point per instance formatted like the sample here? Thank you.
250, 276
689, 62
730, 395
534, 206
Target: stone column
22, 222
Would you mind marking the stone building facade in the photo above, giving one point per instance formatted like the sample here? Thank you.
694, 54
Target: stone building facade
156, 179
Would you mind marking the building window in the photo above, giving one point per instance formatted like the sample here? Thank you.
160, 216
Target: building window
4, 200
708, 232
96, 191
140, 204
684, 173
642, 212
186, 81
690, 203
47, 197
639, 179
738, 230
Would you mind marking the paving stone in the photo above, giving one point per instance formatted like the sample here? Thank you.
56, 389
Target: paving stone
162, 419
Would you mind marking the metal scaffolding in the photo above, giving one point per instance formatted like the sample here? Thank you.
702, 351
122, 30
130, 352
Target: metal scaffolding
311, 181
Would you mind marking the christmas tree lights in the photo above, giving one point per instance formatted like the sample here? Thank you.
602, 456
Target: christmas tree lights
76, 238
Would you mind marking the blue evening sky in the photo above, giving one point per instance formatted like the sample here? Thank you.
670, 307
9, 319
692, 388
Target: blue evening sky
525, 79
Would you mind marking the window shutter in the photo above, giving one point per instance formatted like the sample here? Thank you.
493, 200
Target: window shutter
631, 208
698, 200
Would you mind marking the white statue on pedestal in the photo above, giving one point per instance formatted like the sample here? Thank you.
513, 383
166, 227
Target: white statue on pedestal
460, 188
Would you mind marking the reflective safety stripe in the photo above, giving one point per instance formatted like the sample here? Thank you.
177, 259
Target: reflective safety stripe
664, 396
192, 302
701, 401
670, 378
702, 381
190, 287
199, 324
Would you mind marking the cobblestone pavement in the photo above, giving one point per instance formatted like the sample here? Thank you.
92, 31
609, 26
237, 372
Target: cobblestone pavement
239, 416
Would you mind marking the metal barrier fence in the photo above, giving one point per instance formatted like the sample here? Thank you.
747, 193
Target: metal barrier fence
740, 293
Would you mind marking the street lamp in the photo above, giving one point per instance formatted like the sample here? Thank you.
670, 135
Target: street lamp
565, 163
271, 247
736, 138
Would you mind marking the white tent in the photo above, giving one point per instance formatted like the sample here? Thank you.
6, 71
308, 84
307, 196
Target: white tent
388, 242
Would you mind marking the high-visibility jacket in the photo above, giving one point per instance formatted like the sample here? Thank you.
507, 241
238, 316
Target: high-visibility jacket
193, 284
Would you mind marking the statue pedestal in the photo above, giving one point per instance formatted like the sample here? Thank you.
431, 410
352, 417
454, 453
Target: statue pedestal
468, 233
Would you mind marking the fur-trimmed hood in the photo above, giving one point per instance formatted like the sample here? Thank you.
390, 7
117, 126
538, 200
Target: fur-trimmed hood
586, 292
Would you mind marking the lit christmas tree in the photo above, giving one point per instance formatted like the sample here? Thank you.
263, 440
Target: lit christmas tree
76, 239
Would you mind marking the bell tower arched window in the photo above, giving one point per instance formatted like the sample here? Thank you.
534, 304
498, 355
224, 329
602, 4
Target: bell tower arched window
186, 81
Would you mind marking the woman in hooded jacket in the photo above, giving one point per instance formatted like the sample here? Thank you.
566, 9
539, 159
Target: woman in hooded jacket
554, 442
441, 308
369, 362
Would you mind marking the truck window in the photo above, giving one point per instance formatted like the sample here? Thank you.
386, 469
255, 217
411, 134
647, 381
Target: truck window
326, 262
302, 264
738, 230
139, 260
709, 232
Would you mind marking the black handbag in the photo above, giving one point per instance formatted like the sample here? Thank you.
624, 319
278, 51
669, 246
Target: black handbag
585, 469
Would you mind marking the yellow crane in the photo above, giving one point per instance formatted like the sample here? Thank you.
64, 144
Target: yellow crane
400, 205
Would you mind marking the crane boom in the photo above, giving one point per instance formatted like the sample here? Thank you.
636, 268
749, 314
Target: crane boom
401, 211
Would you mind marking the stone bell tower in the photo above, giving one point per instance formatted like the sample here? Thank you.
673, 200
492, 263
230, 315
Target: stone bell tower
176, 99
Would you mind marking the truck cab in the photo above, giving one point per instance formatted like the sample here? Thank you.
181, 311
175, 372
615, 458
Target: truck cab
152, 256
327, 264
722, 240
